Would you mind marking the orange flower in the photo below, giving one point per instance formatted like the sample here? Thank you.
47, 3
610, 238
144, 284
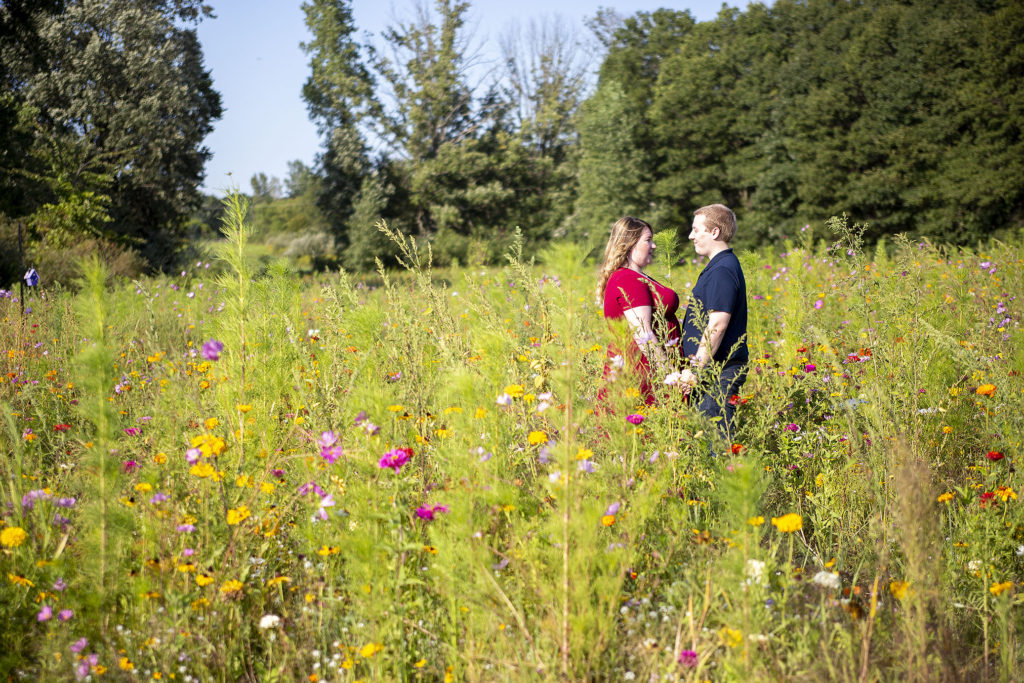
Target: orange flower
986, 390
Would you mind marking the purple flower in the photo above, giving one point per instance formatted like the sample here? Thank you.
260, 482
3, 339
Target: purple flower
635, 419
158, 498
59, 584
212, 349
32, 277
360, 417
369, 428
792, 427
613, 509
277, 474
65, 502
132, 431
817, 305
394, 376
186, 528
45, 613
79, 645
188, 552
585, 466
321, 513
332, 453
65, 614
687, 658
395, 458
310, 487
810, 367
327, 439
427, 512
192, 456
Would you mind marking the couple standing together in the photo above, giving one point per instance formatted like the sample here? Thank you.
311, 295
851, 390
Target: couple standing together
707, 354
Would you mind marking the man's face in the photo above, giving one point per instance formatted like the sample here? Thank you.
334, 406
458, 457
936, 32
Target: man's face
703, 239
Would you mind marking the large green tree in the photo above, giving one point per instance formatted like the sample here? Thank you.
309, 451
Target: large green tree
116, 101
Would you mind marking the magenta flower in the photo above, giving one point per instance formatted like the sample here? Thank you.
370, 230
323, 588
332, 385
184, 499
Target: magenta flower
79, 645
132, 431
810, 367
817, 305
635, 419
427, 512
332, 453
45, 613
792, 427
395, 458
130, 466
688, 658
65, 614
211, 349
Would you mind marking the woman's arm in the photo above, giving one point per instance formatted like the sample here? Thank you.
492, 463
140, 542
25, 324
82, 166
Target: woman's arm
640, 319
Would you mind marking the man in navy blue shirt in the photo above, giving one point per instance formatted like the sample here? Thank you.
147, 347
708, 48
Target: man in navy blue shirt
715, 325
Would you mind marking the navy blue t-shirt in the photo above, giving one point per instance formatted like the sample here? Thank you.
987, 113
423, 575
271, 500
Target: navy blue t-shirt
720, 287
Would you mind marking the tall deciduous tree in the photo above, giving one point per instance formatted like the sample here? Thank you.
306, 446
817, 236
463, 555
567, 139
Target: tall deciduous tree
340, 94
123, 83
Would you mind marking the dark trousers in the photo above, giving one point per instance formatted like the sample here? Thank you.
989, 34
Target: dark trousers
713, 398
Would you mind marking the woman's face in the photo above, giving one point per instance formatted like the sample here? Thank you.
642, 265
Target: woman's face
642, 253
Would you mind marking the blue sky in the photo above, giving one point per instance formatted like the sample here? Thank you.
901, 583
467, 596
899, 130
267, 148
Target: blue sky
252, 50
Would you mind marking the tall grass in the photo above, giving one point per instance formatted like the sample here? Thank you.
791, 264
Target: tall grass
863, 526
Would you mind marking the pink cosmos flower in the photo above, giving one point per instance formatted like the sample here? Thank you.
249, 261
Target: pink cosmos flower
211, 349
427, 512
45, 613
395, 458
65, 614
818, 304
635, 419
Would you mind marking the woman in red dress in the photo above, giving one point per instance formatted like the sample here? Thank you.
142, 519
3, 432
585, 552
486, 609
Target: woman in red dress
647, 306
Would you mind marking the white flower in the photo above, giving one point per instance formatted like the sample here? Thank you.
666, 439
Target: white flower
504, 400
974, 566
755, 570
828, 580
270, 621
618, 362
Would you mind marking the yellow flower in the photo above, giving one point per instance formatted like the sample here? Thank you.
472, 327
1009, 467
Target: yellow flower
998, 588
584, 454
756, 521
211, 423
986, 390
514, 390
186, 568
19, 580
125, 664
370, 649
945, 497
396, 408
819, 480
328, 550
238, 514
788, 523
899, 589
267, 487
946, 429
13, 536
231, 586
243, 407
160, 458
1005, 493
442, 433
480, 413
608, 520
202, 470
204, 580
277, 580
143, 487
730, 636
420, 664
537, 438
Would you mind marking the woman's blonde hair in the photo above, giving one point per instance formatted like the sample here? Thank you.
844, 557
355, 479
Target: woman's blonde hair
625, 234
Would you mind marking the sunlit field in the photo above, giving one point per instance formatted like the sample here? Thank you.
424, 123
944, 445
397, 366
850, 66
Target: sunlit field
238, 475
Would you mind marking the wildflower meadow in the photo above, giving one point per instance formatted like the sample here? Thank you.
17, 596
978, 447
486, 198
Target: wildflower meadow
237, 473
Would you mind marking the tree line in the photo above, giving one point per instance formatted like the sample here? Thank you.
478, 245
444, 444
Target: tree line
905, 115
